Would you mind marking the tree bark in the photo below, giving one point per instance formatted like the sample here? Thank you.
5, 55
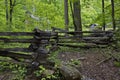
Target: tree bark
103, 13
77, 15
66, 14
12, 4
11, 10
7, 14
14, 55
113, 14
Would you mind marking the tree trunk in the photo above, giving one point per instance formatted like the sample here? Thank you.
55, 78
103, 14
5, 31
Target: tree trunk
103, 13
113, 14
77, 16
11, 10
66, 14
12, 4
7, 14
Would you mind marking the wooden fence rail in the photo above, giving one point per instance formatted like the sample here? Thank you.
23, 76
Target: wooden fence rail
38, 40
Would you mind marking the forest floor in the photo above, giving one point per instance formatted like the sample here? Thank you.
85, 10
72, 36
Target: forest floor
94, 64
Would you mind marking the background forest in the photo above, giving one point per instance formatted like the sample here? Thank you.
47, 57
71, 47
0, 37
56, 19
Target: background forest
44, 14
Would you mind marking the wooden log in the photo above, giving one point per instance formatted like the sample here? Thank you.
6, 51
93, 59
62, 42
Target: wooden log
16, 33
80, 46
16, 49
83, 41
48, 34
15, 55
52, 33
74, 32
18, 40
60, 35
7, 40
59, 29
85, 38
27, 33
60, 40
95, 38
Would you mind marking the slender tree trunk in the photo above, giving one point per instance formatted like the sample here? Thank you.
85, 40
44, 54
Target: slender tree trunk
12, 4
11, 10
77, 15
66, 14
7, 14
103, 14
113, 15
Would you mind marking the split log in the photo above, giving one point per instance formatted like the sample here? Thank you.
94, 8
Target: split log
85, 38
16, 49
84, 41
16, 33
28, 40
74, 32
81, 46
15, 55
59, 29
7, 40
27, 33
95, 38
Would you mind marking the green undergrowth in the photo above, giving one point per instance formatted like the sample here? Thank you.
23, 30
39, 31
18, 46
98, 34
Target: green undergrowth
54, 55
17, 71
106, 52
117, 63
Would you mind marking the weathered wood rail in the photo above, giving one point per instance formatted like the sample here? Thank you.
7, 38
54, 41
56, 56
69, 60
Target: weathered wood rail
36, 43
55, 37
38, 40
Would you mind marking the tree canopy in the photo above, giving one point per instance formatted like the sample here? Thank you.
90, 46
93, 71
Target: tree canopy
19, 15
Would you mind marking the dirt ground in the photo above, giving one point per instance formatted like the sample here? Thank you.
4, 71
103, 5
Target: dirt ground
94, 64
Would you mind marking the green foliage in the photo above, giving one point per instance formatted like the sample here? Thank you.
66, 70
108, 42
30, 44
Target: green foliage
46, 75
18, 71
40, 71
75, 62
54, 57
51, 13
117, 64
